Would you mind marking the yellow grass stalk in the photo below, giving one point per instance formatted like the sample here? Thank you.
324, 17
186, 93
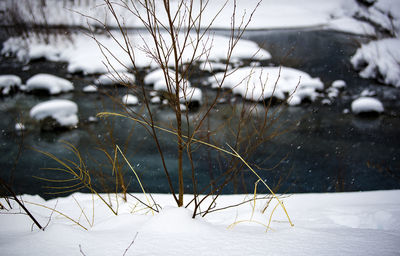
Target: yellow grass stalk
265, 184
136, 175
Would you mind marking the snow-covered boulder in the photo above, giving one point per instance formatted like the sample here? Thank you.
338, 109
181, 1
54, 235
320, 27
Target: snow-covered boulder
90, 88
365, 105
191, 95
379, 60
8, 83
50, 83
115, 78
155, 100
130, 99
262, 83
187, 93
339, 84
55, 114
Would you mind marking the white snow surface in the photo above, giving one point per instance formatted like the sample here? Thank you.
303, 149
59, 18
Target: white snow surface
366, 104
63, 111
51, 83
260, 83
357, 223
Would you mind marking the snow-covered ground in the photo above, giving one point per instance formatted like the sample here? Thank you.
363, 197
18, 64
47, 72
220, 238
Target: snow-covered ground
357, 223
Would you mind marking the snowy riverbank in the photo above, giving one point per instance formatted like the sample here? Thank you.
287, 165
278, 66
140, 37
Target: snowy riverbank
357, 223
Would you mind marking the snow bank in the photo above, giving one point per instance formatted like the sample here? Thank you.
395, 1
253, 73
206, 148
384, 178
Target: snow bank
63, 111
260, 83
384, 14
366, 105
8, 82
50, 83
336, 14
358, 223
380, 60
130, 99
84, 55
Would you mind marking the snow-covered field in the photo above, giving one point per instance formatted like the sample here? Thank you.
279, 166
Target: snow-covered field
357, 223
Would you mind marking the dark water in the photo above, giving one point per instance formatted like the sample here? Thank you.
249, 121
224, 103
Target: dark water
327, 150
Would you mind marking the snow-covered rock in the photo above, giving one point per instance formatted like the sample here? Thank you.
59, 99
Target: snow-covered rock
8, 82
50, 83
63, 112
366, 105
332, 92
155, 100
90, 88
130, 99
326, 102
192, 95
261, 83
339, 84
187, 93
113, 78
379, 60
